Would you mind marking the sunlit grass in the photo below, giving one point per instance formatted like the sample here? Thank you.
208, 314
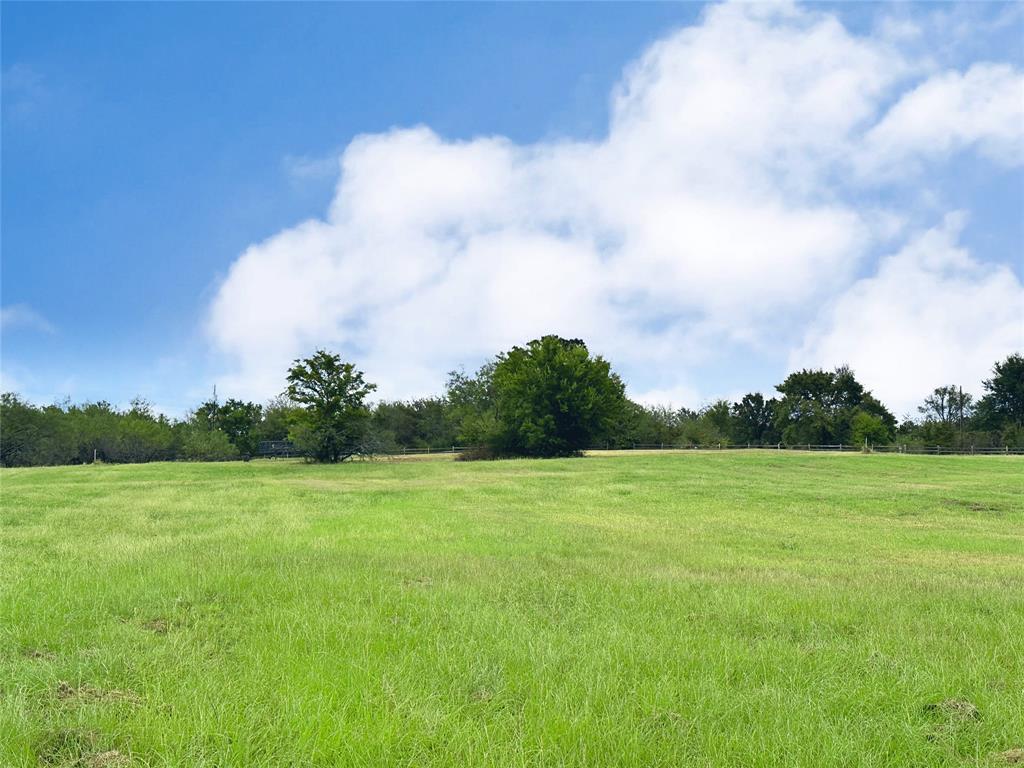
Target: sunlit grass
740, 609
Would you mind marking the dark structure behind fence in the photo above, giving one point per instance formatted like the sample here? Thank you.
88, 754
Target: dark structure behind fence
277, 449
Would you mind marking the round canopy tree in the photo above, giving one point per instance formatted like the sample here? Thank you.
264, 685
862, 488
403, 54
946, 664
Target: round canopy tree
552, 398
333, 422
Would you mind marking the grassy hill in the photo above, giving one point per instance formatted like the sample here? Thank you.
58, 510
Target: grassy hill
725, 609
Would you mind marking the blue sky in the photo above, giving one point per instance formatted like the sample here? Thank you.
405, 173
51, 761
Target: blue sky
146, 147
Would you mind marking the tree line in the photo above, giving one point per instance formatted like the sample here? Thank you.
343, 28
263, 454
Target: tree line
550, 397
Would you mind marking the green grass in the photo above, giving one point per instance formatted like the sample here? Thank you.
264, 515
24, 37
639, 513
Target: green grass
692, 609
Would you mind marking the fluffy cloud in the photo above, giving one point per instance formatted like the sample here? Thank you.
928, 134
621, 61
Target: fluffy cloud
710, 218
932, 315
981, 108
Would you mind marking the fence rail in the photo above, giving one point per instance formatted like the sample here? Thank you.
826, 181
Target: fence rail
425, 451
933, 450
283, 450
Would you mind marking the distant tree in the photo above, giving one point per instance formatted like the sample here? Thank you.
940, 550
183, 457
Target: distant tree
423, 423
334, 419
239, 421
23, 429
553, 399
867, 428
1002, 406
716, 418
206, 415
818, 406
199, 443
754, 419
278, 415
143, 436
471, 405
870, 404
947, 405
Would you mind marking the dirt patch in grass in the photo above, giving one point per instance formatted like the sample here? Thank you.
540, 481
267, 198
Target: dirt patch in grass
109, 759
39, 654
157, 626
954, 709
1011, 756
86, 693
65, 748
419, 581
77, 749
973, 506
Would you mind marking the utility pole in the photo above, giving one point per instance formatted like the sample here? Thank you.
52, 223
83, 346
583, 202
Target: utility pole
960, 402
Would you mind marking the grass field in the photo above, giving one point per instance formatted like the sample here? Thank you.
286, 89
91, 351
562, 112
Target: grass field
693, 609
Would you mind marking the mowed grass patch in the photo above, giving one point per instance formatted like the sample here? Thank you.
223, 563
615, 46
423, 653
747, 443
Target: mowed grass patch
740, 608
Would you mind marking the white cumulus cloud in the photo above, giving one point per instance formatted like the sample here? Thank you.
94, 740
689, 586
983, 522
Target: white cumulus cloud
712, 217
931, 316
981, 108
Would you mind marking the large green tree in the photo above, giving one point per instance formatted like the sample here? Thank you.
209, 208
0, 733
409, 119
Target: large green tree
754, 419
1002, 405
552, 398
819, 407
333, 421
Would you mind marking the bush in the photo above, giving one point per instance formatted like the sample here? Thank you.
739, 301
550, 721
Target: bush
200, 444
553, 399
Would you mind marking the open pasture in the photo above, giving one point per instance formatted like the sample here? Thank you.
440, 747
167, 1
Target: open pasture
693, 609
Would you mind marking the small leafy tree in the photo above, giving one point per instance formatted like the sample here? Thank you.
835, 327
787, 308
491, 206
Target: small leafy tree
333, 422
867, 428
553, 399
